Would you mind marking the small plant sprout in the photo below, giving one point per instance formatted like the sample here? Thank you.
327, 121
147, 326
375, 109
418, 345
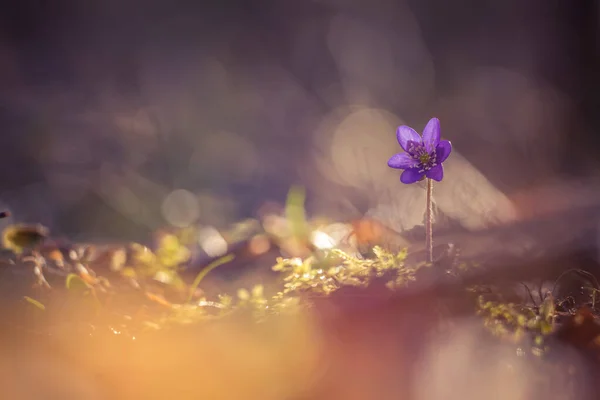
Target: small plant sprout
422, 159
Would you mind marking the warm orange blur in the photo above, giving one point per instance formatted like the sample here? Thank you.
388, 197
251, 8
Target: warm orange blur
348, 350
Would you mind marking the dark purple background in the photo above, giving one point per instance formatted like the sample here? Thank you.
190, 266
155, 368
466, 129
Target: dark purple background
60, 58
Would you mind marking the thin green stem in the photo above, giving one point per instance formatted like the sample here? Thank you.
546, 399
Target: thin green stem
205, 271
428, 221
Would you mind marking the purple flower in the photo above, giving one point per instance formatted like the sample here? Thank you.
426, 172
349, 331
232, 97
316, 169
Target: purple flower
423, 156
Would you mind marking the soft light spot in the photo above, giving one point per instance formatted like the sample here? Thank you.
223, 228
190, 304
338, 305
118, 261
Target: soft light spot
163, 276
322, 240
373, 60
297, 261
520, 352
259, 244
346, 155
212, 242
180, 208
116, 332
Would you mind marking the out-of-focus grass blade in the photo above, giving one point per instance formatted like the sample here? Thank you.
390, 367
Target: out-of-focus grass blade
295, 213
35, 303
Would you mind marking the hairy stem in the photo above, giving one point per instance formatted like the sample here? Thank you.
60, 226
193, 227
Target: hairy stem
428, 221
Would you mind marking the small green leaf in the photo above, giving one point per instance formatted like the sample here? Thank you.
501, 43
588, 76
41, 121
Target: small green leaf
74, 282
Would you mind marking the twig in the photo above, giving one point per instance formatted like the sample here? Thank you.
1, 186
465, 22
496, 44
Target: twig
530, 294
588, 275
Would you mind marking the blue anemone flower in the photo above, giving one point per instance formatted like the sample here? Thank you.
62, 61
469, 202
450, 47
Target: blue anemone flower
423, 156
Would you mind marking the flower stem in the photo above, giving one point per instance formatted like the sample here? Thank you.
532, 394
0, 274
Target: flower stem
428, 221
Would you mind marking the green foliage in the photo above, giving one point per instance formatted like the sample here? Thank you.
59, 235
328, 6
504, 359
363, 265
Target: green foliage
324, 274
319, 272
163, 264
254, 300
515, 322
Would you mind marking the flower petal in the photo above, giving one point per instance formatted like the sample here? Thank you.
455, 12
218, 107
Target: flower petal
406, 134
411, 175
442, 151
431, 134
402, 161
436, 173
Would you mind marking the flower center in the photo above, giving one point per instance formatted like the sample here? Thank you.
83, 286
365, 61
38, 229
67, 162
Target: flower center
424, 158
419, 153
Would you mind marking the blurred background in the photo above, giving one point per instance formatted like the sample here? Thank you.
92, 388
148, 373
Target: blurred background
119, 117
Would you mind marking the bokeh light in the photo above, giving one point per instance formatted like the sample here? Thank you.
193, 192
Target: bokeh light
181, 208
